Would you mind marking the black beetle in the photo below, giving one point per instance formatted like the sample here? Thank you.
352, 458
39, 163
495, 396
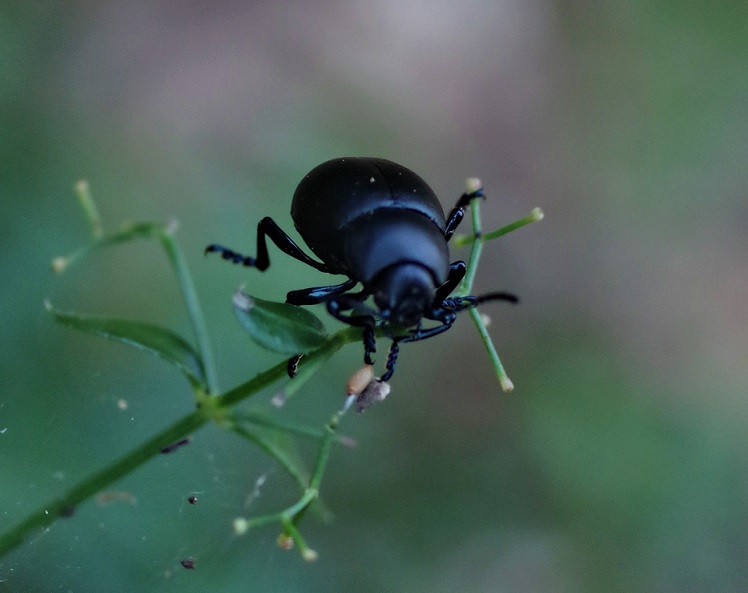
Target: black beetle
382, 226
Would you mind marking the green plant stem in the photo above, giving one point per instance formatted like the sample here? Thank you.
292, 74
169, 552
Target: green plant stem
332, 345
176, 259
286, 427
87, 204
504, 380
534, 216
306, 552
324, 450
290, 516
285, 515
467, 282
466, 286
65, 504
213, 409
189, 294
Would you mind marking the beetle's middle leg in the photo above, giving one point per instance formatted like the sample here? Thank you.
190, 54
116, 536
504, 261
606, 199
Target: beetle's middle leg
457, 271
267, 227
319, 294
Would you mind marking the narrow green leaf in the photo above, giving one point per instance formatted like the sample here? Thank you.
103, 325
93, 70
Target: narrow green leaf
153, 339
279, 327
273, 448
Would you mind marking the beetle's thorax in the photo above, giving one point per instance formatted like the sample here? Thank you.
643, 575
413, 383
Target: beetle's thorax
393, 236
404, 292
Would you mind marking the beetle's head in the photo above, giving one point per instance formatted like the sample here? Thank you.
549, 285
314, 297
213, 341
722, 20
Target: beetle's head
404, 292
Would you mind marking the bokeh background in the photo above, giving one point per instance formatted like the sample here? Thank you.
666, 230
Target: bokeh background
619, 461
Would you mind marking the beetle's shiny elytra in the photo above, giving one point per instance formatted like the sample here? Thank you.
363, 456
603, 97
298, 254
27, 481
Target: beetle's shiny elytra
382, 226
363, 215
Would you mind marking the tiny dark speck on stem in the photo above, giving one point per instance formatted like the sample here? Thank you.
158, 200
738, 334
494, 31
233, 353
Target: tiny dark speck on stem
175, 446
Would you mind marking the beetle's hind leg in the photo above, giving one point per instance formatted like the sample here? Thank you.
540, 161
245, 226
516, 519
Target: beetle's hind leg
458, 212
267, 227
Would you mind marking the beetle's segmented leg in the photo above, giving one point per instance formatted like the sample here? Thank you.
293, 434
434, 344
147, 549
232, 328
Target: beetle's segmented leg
370, 344
391, 361
231, 255
267, 227
368, 321
424, 334
346, 302
313, 296
458, 212
292, 368
456, 274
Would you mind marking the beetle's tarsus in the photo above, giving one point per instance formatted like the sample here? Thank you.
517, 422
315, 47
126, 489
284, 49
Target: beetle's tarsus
292, 368
391, 361
231, 255
370, 344
466, 198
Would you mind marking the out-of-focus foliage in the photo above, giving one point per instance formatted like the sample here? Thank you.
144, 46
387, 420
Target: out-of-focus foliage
617, 464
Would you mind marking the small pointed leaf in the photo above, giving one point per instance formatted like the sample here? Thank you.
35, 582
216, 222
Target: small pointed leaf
153, 339
279, 327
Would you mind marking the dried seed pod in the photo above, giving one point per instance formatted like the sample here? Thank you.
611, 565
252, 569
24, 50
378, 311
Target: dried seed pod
359, 380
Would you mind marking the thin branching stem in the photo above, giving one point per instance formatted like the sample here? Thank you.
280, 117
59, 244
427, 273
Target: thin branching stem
90, 211
535, 215
213, 409
218, 409
466, 286
189, 294
64, 506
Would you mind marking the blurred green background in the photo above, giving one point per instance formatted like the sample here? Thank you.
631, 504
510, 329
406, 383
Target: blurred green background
618, 463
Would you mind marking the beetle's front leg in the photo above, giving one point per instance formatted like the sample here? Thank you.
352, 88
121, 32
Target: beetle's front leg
370, 344
391, 361
345, 302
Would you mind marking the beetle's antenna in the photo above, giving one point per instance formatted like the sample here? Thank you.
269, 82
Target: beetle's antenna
497, 296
